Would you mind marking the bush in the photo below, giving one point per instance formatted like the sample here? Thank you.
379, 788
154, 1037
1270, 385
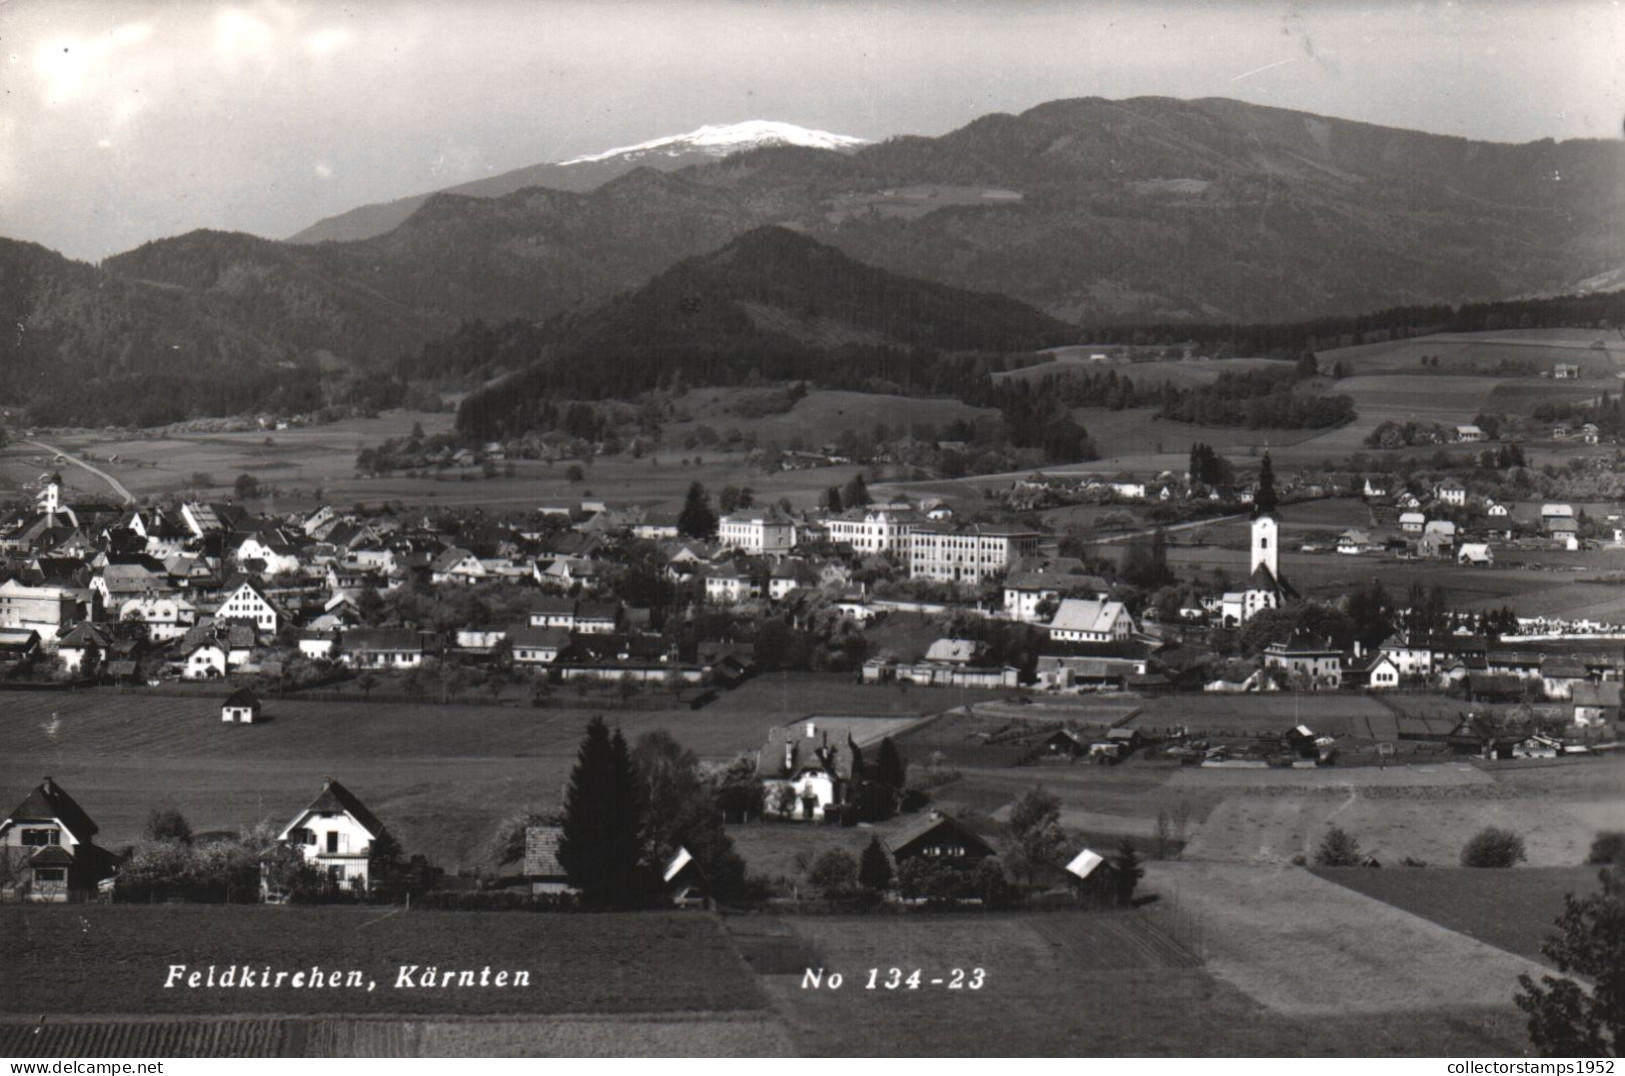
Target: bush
1338, 849
1492, 847
1607, 848
834, 873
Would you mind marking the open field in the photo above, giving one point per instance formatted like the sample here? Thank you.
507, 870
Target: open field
1418, 812
1468, 352
1076, 984
817, 418
1307, 947
441, 777
1509, 909
97, 958
1181, 374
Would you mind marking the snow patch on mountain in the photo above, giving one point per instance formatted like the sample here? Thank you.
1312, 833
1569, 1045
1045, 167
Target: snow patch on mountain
721, 139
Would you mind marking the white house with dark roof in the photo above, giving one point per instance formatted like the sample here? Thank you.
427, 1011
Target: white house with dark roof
759, 531
48, 846
242, 707
457, 565
246, 600
337, 835
1089, 620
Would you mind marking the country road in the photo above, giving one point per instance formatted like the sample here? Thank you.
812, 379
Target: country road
115, 484
1171, 528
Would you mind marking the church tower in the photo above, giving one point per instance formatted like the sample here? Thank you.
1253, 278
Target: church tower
1266, 537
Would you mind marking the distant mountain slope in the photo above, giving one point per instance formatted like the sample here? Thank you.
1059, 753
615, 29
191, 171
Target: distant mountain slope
1097, 212
771, 304
83, 346
584, 173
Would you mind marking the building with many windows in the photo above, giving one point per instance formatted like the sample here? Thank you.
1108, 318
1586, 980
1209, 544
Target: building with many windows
875, 529
757, 531
968, 554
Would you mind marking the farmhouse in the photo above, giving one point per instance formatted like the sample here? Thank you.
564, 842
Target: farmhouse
241, 708
383, 648
165, 618
537, 646
941, 838
1478, 554
48, 610
337, 835
48, 848
457, 565
1411, 522
1566, 371
246, 601
1469, 434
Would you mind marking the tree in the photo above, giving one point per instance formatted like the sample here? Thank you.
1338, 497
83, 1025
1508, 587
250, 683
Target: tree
697, 520
366, 683
603, 843
1567, 1019
684, 812
855, 494
834, 873
1338, 849
832, 499
1036, 823
874, 866
168, 824
890, 769
574, 473
1129, 871
246, 485
1493, 847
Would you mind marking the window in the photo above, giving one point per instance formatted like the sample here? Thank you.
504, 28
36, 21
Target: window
41, 838
335, 841
51, 874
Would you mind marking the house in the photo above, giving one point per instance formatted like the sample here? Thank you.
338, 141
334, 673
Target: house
383, 648
274, 554
805, 775
47, 609
1089, 620
1065, 743
84, 640
1496, 510
165, 618
245, 600
1589, 433
1477, 554
1438, 535
727, 584
1469, 434
1375, 488
537, 646
1560, 676
1056, 672
940, 838
241, 708
1566, 371
758, 531
543, 871
789, 575
317, 645
1382, 674
1412, 522
337, 835
1451, 492
1308, 658
1596, 704
207, 659
50, 855
954, 651
457, 565
1352, 542
18, 644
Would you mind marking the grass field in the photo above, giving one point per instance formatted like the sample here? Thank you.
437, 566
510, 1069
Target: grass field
1509, 909
1071, 984
1307, 947
92, 959
1468, 352
441, 777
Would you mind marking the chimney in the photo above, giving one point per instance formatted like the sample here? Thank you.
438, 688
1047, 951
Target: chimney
47, 785
789, 754
812, 730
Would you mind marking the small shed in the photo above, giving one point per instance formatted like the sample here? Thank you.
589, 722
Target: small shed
242, 707
542, 868
1093, 879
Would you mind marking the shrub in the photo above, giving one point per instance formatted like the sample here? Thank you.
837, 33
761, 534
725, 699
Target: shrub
834, 873
1607, 848
1492, 847
1338, 849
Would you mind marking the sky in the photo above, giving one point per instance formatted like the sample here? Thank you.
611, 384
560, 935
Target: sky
123, 121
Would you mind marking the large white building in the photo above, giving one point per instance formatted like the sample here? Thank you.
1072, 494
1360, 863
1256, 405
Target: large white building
968, 554
875, 529
49, 610
757, 531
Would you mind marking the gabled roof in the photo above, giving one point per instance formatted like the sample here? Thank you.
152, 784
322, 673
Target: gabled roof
336, 799
538, 638
242, 697
50, 800
1086, 614
915, 832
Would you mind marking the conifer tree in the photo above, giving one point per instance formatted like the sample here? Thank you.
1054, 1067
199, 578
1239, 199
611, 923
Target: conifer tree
891, 770
874, 867
697, 520
602, 844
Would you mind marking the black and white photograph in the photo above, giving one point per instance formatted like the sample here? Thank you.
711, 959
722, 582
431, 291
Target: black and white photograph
812, 528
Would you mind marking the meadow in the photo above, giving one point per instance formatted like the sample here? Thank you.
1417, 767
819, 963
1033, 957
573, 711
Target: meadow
1513, 910
441, 777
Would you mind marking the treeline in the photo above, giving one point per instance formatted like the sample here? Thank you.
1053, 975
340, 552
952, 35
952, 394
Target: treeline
1289, 340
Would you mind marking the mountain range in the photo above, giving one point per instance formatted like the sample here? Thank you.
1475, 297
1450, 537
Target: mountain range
1096, 212
708, 143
